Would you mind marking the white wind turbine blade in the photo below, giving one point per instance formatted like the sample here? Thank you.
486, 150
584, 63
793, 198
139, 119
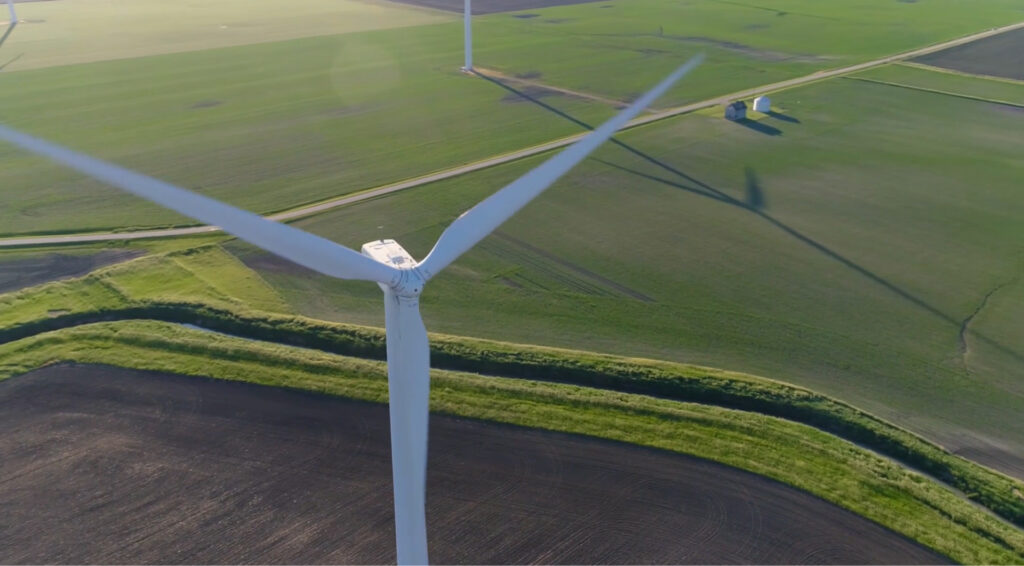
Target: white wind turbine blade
290, 243
409, 406
10, 8
479, 221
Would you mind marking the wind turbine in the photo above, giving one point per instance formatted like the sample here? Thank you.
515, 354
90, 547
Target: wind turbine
383, 261
14, 21
467, 22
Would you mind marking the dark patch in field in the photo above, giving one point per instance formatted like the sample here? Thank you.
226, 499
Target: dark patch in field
207, 104
743, 49
28, 271
526, 16
1008, 108
481, 7
529, 94
759, 126
649, 51
998, 56
116, 466
988, 453
530, 75
748, 50
783, 117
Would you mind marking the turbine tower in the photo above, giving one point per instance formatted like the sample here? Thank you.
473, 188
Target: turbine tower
467, 17
383, 261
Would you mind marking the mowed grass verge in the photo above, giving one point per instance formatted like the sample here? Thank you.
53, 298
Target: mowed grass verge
277, 125
158, 288
801, 456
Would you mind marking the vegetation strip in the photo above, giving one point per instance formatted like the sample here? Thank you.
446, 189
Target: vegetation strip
936, 91
790, 452
679, 382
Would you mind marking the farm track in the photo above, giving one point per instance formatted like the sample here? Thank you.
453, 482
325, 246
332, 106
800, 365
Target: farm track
118, 465
377, 192
499, 76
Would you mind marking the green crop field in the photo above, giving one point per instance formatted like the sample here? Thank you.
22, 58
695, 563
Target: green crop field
276, 125
66, 32
880, 236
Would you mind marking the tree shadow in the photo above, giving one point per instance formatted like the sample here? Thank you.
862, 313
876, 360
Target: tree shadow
783, 117
759, 127
755, 202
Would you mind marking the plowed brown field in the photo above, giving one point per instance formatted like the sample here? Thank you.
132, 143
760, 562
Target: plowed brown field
109, 465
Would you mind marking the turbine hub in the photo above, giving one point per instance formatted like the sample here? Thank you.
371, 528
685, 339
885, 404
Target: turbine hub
409, 281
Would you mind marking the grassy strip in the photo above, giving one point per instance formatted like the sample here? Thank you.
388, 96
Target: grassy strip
822, 464
936, 91
675, 381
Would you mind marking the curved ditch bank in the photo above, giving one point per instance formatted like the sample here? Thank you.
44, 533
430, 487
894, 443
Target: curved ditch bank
994, 491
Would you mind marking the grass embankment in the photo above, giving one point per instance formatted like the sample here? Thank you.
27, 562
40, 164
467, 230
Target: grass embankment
809, 459
161, 288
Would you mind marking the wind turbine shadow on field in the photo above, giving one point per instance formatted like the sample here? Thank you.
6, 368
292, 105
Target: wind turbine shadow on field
15, 58
7, 33
755, 203
645, 156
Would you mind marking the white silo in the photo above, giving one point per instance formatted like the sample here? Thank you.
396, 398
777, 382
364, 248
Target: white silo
763, 104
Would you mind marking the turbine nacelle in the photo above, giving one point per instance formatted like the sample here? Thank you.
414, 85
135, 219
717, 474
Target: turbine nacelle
409, 281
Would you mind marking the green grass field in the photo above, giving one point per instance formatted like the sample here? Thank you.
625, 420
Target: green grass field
882, 233
276, 125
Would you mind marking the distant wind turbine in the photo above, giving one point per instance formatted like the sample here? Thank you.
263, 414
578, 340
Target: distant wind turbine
467, 17
384, 261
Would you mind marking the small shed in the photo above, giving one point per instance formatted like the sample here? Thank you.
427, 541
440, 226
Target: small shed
763, 104
736, 111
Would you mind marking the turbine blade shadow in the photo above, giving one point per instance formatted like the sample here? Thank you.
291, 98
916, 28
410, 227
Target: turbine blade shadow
7, 34
703, 189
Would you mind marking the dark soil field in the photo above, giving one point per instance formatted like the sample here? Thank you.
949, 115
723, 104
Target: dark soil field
481, 7
28, 271
116, 466
998, 56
